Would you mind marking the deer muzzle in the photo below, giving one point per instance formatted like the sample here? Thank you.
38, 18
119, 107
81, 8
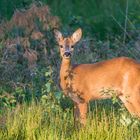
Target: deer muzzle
67, 54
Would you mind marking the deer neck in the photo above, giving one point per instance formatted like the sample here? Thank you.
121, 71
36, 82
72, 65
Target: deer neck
64, 72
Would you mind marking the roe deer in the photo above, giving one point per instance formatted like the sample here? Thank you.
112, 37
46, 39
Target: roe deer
84, 82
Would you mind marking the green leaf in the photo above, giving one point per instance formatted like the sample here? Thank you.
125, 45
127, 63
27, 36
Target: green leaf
48, 73
58, 95
19, 90
12, 101
48, 86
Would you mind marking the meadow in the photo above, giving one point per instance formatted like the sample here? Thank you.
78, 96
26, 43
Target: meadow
40, 122
32, 106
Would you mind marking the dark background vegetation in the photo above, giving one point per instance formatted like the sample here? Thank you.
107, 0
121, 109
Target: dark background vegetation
97, 17
29, 58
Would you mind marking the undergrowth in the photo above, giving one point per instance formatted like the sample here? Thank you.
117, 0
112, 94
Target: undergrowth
40, 122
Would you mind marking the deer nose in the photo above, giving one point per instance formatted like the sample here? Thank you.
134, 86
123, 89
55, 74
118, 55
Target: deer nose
67, 54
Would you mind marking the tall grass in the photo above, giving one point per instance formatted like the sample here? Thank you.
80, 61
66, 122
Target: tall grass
36, 122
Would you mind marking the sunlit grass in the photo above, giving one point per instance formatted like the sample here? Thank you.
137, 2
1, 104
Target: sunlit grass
36, 122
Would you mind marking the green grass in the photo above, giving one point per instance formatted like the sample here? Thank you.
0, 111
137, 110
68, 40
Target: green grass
37, 122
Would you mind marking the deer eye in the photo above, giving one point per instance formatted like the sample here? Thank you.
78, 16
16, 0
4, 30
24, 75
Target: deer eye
61, 46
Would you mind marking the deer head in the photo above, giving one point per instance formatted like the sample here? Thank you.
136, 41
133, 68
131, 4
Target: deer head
67, 44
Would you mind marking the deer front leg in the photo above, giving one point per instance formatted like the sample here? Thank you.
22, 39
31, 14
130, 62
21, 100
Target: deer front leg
80, 113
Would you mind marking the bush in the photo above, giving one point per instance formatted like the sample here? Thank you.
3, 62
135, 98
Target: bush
27, 53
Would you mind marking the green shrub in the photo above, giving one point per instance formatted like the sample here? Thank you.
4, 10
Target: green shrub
26, 54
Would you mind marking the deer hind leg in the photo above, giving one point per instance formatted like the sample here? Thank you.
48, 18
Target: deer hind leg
132, 103
128, 104
80, 112
136, 104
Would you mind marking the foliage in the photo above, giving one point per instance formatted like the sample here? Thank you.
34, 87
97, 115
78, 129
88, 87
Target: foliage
101, 18
26, 55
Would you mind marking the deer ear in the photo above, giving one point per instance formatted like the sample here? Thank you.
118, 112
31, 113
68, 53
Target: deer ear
76, 36
58, 36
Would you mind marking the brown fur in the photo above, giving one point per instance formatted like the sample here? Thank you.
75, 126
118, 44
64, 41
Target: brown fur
84, 82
